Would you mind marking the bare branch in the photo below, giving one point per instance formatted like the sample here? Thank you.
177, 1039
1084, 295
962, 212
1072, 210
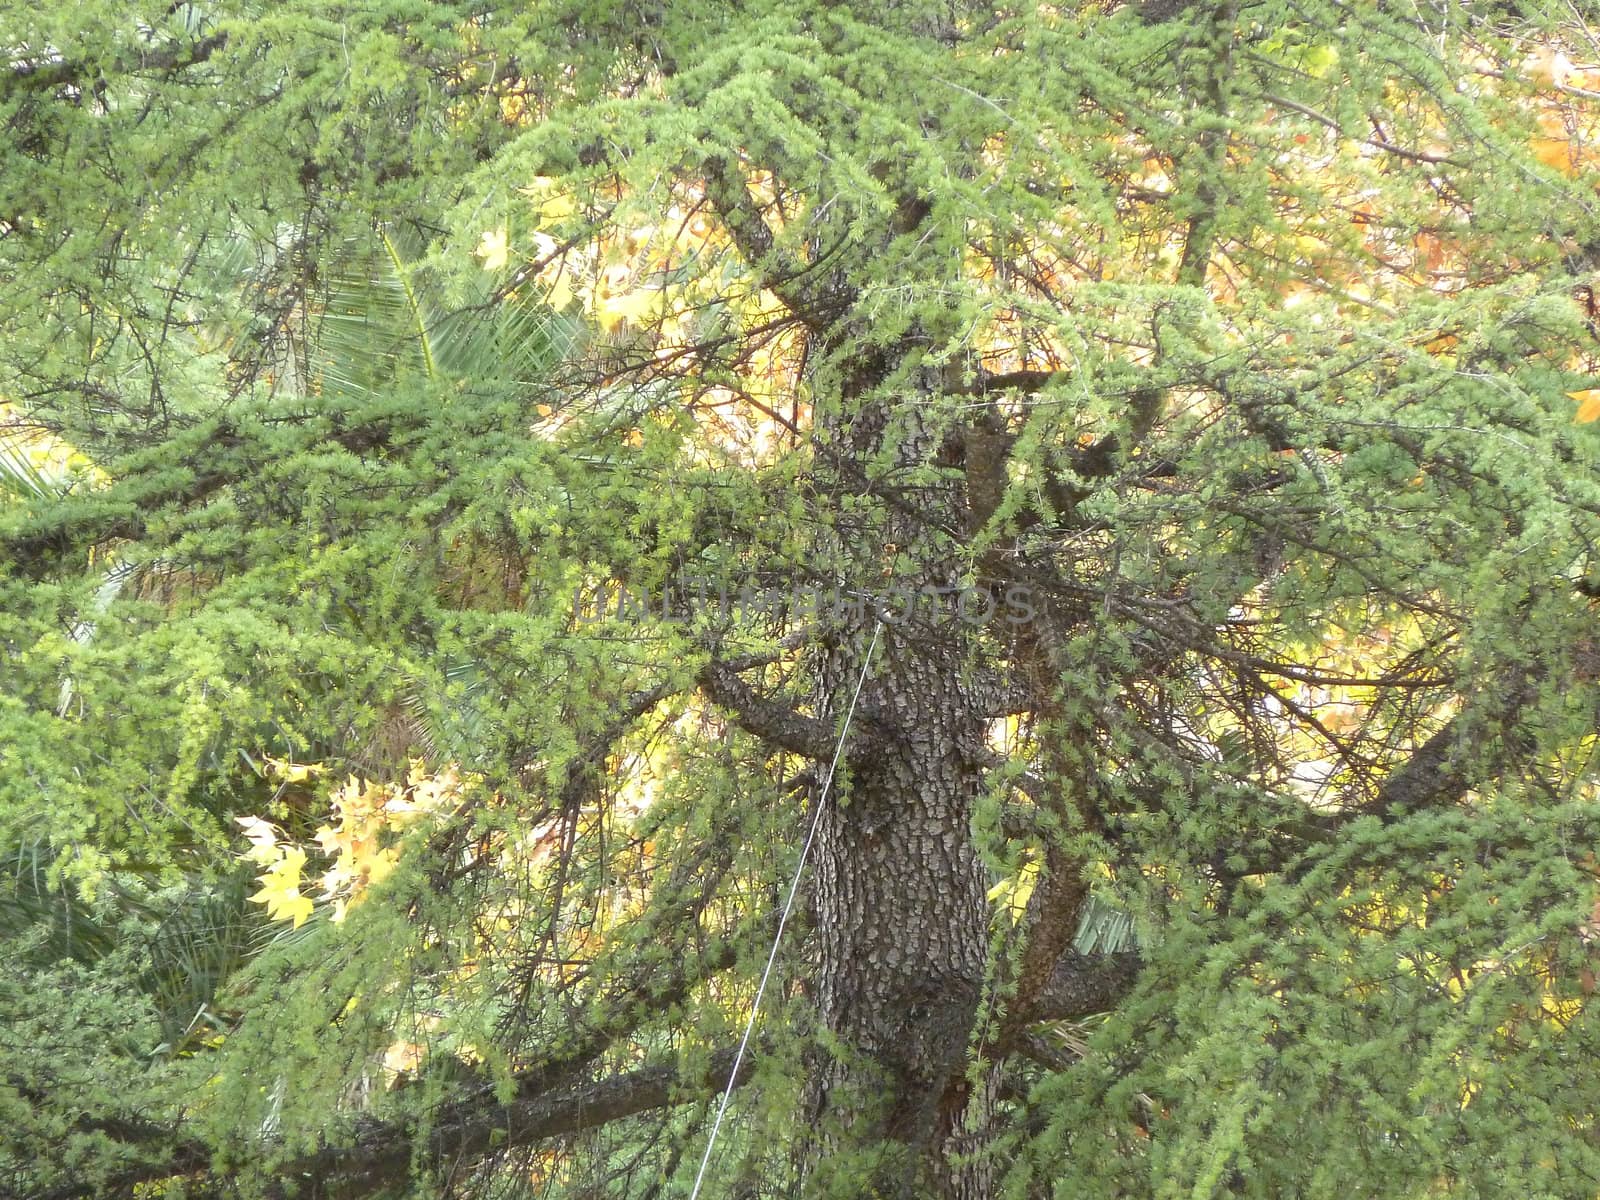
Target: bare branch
768, 719
1081, 985
1376, 142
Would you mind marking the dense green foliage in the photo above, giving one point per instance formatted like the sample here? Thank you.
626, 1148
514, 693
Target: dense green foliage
373, 345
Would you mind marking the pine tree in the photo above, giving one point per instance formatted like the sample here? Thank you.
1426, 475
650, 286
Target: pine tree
472, 468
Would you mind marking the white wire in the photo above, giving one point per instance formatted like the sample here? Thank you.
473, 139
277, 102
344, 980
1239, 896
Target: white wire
783, 919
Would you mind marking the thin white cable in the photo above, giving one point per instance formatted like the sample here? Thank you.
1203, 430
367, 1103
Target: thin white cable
783, 919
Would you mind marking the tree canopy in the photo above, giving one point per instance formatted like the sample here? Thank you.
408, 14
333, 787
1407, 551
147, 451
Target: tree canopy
470, 472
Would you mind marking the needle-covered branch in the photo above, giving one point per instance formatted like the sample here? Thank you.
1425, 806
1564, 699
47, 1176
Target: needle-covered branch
39, 75
459, 1135
780, 273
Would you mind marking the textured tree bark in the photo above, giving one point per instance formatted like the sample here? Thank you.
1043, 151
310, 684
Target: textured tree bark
900, 893
901, 912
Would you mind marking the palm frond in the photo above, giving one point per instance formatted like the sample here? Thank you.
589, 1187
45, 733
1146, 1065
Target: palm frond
447, 731
45, 913
20, 478
1104, 928
383, 321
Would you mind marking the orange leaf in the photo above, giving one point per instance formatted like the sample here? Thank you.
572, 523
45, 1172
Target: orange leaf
1557, 153
1588, 406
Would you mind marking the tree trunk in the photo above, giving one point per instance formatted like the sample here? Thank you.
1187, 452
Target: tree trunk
902, 919
900, 893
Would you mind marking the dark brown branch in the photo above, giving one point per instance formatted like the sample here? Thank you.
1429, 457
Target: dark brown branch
771, 720
43, 76
1045, 1053
990, 383
382, 1152
466, 1132
461, 1134
1081, 985
1439, 772
778, 273
1442, 769
1049, 924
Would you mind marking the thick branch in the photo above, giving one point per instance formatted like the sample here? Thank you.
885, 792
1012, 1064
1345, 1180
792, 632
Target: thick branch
768, 719
548, 1098
1437, 773
990, 383
1081, 985
1050, 922
778, 273
43, 76
461, 1134
985, 448
470, 1129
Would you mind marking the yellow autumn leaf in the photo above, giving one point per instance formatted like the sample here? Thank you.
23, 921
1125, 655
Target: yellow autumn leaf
263, 840
630, 306
552, 203
1548, 66
556, 208
559, 292
378, 867
1588, 405
285, 873
430, 791
1014, 893
292, 907
280, 889
341, 884
287, 771
403, 1058
1556, 152
494, 249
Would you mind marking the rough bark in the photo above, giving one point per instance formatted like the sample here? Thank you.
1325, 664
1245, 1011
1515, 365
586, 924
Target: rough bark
900, 892
901, 914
